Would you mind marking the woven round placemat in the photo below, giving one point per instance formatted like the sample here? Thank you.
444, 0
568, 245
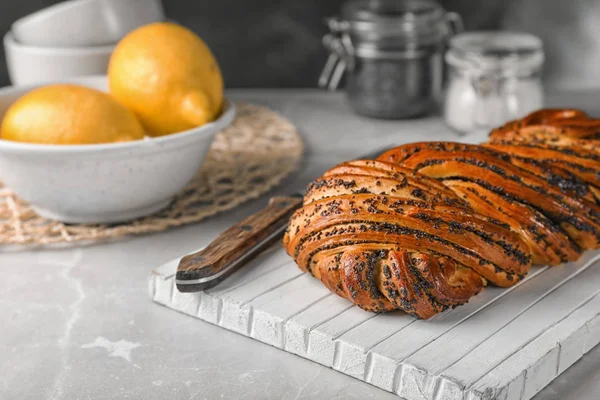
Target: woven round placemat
245, 160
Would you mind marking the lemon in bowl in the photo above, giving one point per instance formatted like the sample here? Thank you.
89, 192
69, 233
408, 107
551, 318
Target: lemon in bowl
168, 77
69, 114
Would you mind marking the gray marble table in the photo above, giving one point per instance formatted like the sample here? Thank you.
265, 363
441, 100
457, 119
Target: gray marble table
78, 322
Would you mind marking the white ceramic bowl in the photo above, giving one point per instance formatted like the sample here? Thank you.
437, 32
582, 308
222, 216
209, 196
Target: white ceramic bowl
86, 22
31, 64
103, 183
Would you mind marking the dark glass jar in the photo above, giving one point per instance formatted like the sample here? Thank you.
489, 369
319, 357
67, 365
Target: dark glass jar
392, 54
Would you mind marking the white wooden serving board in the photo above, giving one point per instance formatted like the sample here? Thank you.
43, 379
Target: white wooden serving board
504, 344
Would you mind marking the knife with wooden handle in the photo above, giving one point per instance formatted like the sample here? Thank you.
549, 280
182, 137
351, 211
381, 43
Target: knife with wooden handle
238, 244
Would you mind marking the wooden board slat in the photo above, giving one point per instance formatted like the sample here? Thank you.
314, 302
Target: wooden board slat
504, 344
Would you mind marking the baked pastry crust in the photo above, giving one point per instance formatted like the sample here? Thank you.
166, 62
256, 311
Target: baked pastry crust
427, 225
386, 237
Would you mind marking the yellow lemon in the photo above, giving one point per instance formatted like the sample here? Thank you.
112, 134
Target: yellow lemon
69, 114
168, 76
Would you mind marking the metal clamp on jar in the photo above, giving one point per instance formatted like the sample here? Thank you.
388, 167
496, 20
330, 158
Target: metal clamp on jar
493, 77
391, 51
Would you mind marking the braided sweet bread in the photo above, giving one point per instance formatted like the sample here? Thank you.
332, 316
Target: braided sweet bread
427, 225
386, 237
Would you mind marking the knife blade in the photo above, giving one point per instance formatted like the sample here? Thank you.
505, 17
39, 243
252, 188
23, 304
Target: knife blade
237, 245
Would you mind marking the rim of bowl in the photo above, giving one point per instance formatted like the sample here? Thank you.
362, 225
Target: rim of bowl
10, 41
225, 119
50, 11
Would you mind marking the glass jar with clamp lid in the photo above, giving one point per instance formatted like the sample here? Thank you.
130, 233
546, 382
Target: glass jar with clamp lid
391, 52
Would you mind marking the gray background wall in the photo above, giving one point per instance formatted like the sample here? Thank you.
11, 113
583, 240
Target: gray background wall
276, 43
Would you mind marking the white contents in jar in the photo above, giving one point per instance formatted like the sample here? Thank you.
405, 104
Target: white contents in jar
494, 77
458, 106
466, 110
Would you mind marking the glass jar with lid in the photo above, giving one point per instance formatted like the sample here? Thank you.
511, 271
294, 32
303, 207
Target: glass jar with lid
494, 77
392, 54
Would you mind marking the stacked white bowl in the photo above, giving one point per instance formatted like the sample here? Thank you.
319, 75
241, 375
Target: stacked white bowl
72, 38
